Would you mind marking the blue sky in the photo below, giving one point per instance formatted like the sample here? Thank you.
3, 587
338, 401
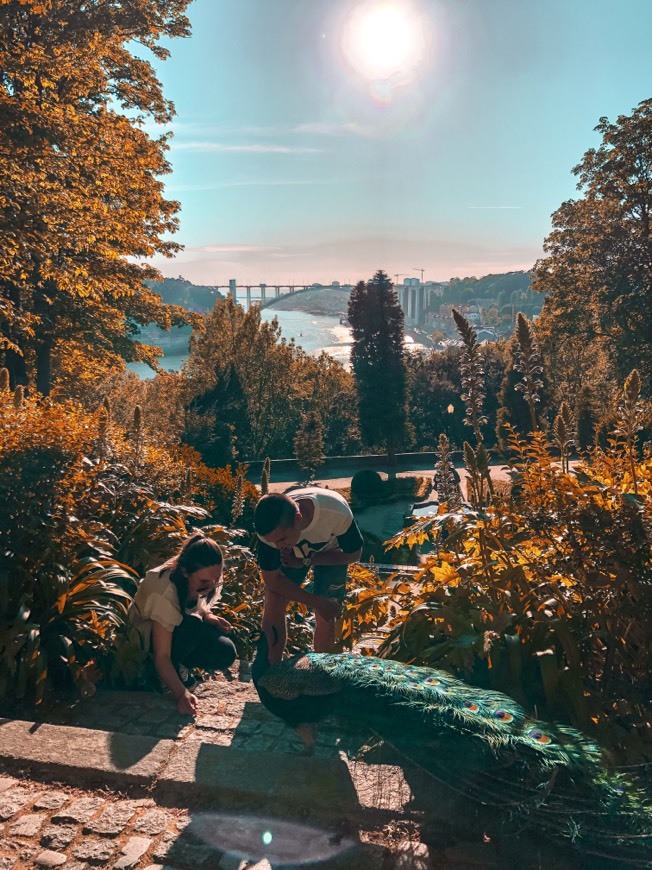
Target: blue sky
295, 161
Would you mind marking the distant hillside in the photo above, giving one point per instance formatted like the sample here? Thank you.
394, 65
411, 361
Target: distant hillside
178, 291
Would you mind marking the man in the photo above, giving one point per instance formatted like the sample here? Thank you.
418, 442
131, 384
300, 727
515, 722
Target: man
310, 528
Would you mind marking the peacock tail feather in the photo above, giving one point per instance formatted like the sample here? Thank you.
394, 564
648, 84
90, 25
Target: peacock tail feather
480, 743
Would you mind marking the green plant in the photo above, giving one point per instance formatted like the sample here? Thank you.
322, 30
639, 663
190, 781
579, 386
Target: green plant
367, 484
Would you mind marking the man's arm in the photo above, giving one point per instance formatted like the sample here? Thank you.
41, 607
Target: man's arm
335, 557
279, 584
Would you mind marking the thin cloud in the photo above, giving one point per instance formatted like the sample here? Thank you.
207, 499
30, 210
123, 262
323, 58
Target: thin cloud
232, 249
250, 148
496, 206
185, 188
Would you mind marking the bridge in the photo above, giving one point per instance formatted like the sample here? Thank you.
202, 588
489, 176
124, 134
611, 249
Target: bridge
413, 298
265, 294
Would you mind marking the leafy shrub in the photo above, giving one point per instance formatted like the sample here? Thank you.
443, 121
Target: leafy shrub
86, 512
547, 597
367, 484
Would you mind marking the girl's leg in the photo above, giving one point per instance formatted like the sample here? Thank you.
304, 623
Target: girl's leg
197, 644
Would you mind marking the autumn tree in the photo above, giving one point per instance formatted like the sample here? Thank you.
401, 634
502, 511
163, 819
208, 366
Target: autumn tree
280, 383
378, 362
82, 202
597, 272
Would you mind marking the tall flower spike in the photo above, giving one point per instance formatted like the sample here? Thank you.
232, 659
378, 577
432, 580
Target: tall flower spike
448, 490
472, 375
528, 363
631, 412
563, 432
4, 380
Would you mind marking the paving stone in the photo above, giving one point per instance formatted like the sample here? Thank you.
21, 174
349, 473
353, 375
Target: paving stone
94, 851
112, 821
413, 856
27, 826
132, 852
164, 845
12, 801
27, 852
58, 836
50, 800
176, 849
229, 861
50, 859
6, 782
79, 811
6, 863
152, 822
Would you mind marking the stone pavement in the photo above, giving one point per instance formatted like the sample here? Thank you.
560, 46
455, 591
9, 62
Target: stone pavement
120, 780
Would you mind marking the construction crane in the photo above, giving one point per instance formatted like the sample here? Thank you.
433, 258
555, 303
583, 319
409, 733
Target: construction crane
417, 269
398, 275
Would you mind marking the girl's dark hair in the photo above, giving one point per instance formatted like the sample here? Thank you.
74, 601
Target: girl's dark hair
196, 552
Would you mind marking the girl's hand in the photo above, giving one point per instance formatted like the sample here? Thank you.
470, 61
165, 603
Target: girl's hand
222, 623
187, 703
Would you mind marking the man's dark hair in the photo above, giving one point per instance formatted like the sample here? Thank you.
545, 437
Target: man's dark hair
272, 511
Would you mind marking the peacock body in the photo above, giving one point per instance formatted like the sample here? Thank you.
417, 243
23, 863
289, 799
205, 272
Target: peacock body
482, 744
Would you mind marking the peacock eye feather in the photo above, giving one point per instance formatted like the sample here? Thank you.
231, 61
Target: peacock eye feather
471, 706
503, 715
539, 736
432, 681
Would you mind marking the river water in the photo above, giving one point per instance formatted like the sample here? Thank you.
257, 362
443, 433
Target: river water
313, 332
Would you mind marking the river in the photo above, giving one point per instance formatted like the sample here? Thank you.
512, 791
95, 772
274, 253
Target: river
313, 332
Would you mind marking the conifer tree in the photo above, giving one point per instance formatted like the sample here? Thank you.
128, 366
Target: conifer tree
378, 363
309, 443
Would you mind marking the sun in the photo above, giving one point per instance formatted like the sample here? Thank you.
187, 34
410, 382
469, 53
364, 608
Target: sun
383, 40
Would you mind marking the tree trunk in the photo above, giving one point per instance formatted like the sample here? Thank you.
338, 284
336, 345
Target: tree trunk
44, 368
391, 460
15, 363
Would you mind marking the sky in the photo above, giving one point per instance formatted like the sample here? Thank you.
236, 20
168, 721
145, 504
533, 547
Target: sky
321, 140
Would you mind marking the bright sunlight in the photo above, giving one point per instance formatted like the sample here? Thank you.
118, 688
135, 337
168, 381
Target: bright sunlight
384, 40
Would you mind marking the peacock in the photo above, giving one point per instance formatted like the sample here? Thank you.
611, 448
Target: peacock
521, 774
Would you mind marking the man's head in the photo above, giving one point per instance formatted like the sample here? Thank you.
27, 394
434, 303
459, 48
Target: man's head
278, 520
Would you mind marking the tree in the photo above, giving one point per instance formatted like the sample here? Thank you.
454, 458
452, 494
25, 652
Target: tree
598, 270
82, 200
309, 444
378, 363
280, 383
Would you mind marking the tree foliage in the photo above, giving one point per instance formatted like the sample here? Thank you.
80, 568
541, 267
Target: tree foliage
378, 362
82, 200
597, 272
237, 350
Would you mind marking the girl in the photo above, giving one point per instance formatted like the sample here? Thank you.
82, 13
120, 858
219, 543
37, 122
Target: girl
172, 613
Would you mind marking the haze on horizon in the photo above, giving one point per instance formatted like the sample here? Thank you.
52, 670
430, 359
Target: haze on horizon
322, 140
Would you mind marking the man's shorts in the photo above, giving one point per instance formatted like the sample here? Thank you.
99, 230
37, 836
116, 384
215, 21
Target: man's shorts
328, 580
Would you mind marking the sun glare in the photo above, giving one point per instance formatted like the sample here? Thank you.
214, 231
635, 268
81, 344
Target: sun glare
384, 40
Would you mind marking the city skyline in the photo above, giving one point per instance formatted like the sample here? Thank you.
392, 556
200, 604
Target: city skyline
325, 140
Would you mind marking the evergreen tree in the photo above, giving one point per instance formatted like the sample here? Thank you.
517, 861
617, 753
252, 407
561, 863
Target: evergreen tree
377, 359
309, 444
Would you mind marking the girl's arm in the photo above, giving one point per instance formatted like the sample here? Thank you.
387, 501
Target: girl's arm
162, 641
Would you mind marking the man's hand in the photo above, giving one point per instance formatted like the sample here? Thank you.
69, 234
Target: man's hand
187, 703
326, 608
289, 560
